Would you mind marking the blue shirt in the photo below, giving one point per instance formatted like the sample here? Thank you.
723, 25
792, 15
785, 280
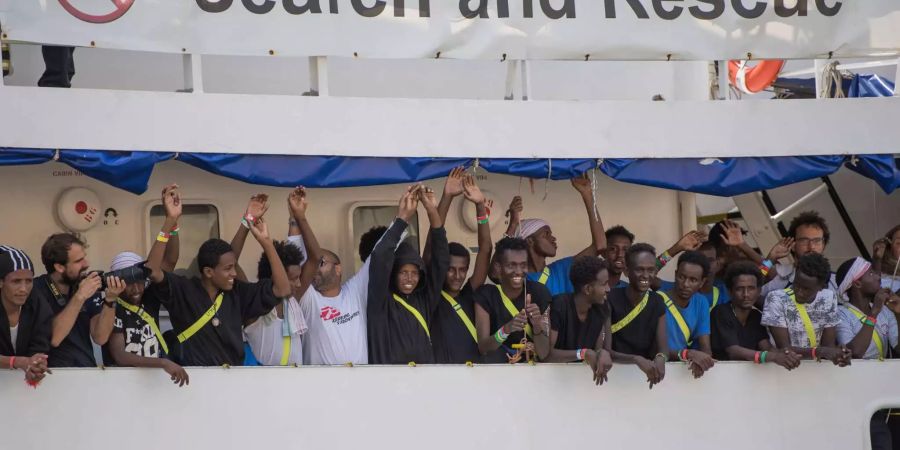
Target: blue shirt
696, 316
558, 282
724, 298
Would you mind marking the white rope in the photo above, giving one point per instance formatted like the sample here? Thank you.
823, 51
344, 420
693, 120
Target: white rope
832, 81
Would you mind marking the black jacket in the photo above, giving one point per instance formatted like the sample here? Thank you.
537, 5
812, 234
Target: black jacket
35, 327
395, 334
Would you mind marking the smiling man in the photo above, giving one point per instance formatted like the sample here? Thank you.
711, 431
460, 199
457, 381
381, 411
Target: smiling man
687, 314
208, 312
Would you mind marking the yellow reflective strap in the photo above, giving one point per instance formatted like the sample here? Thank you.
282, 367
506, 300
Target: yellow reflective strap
875, 337
676, 314
545, 275
146, 318
285, 350
715, 298
804, 316
415, 312
462, 314
512, 309
631, 315
203, 320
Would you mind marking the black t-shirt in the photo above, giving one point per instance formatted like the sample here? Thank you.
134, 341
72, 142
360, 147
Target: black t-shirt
451, 339
572, 333
488, 296
187, 300
639, 337
139, 336
727, 331
77, 349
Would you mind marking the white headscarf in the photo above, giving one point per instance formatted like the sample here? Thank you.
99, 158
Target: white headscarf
857, 270
530, 226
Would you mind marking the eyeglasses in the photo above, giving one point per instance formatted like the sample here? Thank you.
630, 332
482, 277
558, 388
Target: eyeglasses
809, 241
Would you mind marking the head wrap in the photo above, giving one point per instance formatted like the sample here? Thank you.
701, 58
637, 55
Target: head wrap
125, 259
12, 259
530, 226
857, 270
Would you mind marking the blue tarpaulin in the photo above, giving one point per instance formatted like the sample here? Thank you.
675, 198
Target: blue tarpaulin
125, 170
24, 156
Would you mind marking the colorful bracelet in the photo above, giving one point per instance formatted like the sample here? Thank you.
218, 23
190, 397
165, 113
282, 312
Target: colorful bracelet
12, 363
683, 355
174, 231
756, 358
766, 266
162, 237
500, 336
869, 320
762, 357
579, 354
813, 354
663, 259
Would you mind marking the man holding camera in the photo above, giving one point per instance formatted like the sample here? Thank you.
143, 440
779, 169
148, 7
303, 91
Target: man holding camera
81, 313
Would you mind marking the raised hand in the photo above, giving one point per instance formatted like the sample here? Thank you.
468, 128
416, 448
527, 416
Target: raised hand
88, 286
881, 298
582, 184
733, 236
426, 197
781, 250
472, 191
257, 206
171, 200
114, 288
893, 303
298, 203
879, 248
408, 203
454, 185
514, 212
260, 230
516, 324
690, 241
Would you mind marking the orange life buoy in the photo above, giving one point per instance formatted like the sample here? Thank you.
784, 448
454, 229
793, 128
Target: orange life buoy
754, 79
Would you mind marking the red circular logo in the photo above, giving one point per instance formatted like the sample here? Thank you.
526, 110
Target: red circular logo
81, 207
122, 7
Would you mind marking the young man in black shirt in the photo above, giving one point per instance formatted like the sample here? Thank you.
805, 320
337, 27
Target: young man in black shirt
618, 241
579, 322
737, 334
403, 293
454, 338
25, 323
638, 317
81, 314
207, 312
512, 310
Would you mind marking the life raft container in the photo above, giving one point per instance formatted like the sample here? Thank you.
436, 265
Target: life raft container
751, 80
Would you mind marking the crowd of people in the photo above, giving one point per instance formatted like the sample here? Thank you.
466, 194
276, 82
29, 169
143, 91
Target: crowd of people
602, 306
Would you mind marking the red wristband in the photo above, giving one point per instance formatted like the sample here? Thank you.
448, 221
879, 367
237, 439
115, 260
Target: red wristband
813, 353
12, 362
756, 358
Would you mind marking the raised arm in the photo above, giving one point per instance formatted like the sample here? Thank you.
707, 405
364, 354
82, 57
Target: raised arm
256, 208
173, 249
281, 286
453, 187
582, 184
734, 237
485, 247
381, 261
514, 215
690, 241
298, 204
171, 200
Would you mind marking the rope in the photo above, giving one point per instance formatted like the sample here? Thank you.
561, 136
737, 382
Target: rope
832, 81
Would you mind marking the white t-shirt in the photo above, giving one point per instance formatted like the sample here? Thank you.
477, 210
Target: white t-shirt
13, 334
266, 335
337, 325
780, 311
886, 327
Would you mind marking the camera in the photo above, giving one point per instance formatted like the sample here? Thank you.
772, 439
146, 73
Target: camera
137, 273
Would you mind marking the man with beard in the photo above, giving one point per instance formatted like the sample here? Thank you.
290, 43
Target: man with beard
737, 334
579, 323
25, 345
403, 293
618, 241
542, 244
638, 317
810, 236
208, 312
454, 338
511, 311
80, 313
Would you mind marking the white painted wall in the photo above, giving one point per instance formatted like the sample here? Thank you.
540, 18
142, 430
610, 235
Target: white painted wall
735, 405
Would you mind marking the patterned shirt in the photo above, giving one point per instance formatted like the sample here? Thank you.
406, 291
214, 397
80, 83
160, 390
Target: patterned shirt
781, 311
